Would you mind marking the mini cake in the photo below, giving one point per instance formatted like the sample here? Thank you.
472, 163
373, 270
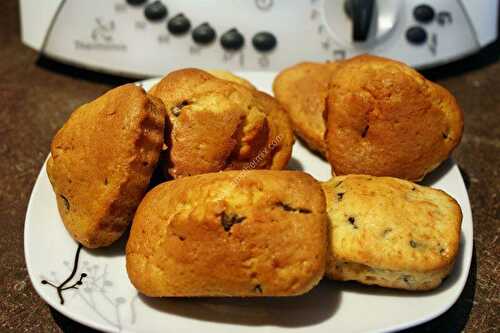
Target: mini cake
219, 125
385, 119
232, 233
102, 160
390, 232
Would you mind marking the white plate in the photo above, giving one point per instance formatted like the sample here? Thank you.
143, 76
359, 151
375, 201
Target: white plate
107, 301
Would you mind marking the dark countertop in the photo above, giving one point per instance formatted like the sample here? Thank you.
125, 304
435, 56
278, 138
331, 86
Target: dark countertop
37, 95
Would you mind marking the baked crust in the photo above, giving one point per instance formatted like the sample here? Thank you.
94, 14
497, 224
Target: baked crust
228, 76
217, 125
406, 280
302, 90
102, 160
232, 233
280, 139
385, 119
390, 232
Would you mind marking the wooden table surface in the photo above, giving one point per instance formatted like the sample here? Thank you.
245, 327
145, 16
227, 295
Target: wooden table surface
37, 95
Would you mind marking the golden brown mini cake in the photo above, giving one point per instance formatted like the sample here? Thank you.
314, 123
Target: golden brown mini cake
390, 232
385, 119
228, 76
302, 90
232, 233
219, 125
102, 160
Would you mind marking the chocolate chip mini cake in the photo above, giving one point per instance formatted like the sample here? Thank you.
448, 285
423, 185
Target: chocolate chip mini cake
385, 119
102, 160
233, 233
390, 232
220, 125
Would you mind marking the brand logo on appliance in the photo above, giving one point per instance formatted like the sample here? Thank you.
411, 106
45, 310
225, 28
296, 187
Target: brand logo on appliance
103, 31
102, 38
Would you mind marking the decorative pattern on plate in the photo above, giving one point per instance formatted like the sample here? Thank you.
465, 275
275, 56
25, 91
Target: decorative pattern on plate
97, 285
62, 287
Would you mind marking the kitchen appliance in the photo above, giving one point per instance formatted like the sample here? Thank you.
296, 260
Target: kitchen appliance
148, 38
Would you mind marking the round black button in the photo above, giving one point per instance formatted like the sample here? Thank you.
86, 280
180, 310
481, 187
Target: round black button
204, 34
136, 2
264, 41
416, 35
179, 24
232, 40
423, 13
155, 11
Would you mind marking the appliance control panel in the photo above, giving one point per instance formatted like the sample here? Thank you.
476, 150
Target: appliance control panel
151, 37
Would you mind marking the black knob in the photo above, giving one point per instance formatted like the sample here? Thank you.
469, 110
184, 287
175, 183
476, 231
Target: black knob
361, 13
204, 34
155, 11
264, 41
232, 40
416, 35
178, 25
136, 2
423, 13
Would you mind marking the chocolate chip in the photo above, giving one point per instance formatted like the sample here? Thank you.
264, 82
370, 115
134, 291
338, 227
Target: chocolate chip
289, 208
228, 220
258, 289
445, 135
106, 181
340, 196
352, 221
413, 188
285, 207
413, 244
365, 131
65, 201
406, 278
